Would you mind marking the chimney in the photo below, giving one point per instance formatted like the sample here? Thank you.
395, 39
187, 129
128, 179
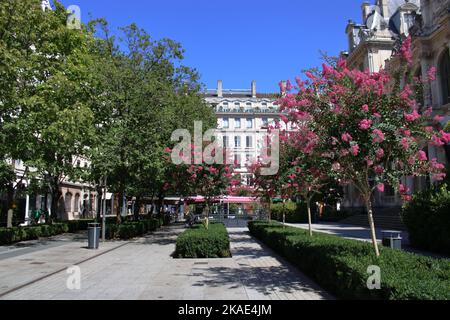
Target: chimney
384, 7
220, 89
365, 8
253, 89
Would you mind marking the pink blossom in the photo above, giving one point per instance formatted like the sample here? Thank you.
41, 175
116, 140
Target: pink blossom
422, 156
380, 187
411, 117
438, 118
405, 50
369, 162
379, 170
439, 176
436, 165
405, 143
336, 166
378, 136
346, 137
403, 189
365, 124
379, 153
431, 74
354, 150
377, 115
445, 137
365, 108
437, 141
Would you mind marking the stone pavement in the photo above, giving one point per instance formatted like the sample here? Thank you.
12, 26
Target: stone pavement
144, 269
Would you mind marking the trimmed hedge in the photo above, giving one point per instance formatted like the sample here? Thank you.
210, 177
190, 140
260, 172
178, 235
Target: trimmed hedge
198, 242
427, 218
11, 235
129, 230
79, 225
340, 265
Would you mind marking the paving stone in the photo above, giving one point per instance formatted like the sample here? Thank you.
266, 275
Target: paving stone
145, 270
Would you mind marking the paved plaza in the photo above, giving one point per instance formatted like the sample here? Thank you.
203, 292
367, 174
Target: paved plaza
144, 269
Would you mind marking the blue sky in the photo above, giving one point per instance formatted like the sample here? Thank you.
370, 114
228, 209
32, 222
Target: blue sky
238, 41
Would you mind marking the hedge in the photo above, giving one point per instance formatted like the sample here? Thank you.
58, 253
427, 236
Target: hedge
129, 230
340, 265
427, 218
17, 234
79, 225
198, 242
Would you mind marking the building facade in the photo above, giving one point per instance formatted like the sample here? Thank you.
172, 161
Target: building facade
372, 46
243, 117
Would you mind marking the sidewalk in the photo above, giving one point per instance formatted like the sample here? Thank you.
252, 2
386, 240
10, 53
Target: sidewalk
144, 269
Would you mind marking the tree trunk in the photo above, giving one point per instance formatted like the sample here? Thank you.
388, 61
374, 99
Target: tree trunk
308, 205
270, 211
372, 225
207, 216
99, 190
137, 208
56, 194
120, 207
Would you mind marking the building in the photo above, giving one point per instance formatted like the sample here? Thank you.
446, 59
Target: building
243, 117
372, 45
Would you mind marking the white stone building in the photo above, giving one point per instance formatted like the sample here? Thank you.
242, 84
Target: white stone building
372, 44
243, 118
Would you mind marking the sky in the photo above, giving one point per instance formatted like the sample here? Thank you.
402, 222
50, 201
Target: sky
238, 41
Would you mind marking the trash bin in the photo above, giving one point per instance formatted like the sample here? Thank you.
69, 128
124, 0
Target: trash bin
392, 239
93, 235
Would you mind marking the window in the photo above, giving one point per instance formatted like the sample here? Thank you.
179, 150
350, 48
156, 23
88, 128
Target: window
444, 75
68, 202
225, 142
249, 142
247, 158
226, 123
237, 160
265, 122
237, 123
77, 203
249, 123
237, 142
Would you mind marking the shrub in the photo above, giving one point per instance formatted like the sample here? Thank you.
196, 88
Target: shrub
340, 265
79, 225
129, 230
427, 218
198, 242
17, 234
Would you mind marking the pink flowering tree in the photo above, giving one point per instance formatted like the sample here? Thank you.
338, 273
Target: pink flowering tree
373, 126
304, 164
265, 187
211, 181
